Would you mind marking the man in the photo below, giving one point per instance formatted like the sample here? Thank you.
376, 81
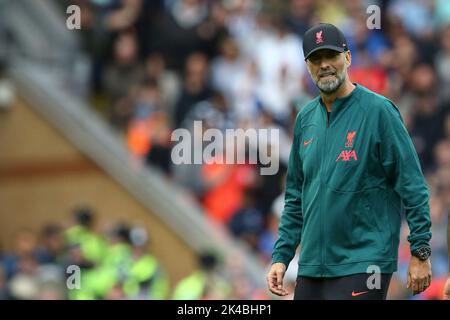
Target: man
447, 283
351, 166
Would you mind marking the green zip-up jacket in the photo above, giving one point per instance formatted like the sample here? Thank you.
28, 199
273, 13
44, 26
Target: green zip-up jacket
348, 176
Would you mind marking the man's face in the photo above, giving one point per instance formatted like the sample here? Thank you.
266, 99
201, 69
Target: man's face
328, 69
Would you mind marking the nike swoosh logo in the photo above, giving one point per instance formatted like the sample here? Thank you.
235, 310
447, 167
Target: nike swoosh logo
306, 142
355, 294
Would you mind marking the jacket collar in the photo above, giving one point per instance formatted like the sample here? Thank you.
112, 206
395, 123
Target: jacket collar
340, 103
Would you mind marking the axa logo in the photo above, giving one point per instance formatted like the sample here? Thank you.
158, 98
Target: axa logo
347, 155
319, 38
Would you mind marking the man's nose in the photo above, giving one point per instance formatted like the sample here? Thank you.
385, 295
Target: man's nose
324, 65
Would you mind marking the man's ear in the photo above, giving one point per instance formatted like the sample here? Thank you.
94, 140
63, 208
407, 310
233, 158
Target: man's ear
348, 58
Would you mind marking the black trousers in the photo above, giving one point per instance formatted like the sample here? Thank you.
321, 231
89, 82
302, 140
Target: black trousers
352, 287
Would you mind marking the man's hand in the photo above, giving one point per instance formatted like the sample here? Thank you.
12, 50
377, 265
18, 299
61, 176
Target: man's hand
447, 289
275, 279
419, 275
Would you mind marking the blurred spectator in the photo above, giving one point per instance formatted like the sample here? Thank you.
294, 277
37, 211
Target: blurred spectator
270, 234
204, 283
268, 237
400, 61
427, 114
331, 11
120, 77
148, 133
215, 112
52, 244
82, 233
195, 86
75, 257
300, 16
415, 15
247, 222
181, 35
225, 185
442, 62
227, 67
4, 294
25, 250
159, 155
24, 284
278, 57
367, 46
52, 284
100, 22
146, 279
118, 255
120, 14
243, 23
104, 279
268, 186
168, 81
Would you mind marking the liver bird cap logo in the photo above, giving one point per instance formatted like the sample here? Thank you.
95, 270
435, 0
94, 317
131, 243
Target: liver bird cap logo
319, 38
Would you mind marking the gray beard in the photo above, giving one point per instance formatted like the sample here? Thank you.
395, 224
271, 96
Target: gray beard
331, 86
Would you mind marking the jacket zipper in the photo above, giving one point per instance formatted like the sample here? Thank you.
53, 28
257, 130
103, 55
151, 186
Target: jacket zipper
322, 226
323, 218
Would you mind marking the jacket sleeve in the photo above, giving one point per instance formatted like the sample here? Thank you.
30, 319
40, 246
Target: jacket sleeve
401, 165
291, 223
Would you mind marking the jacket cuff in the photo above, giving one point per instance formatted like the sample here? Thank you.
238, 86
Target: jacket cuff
280, 258
419, 243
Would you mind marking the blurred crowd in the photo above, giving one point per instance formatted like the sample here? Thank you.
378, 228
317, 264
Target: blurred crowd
76, 261
160, 65
86, 260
